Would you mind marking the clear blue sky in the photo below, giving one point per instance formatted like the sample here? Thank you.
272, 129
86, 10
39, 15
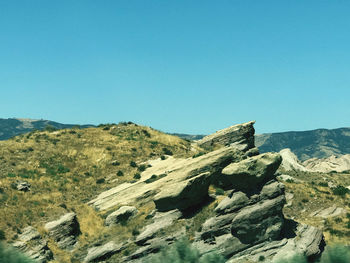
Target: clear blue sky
178, 66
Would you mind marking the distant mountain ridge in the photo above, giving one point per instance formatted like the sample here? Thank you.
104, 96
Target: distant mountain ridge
15, 126
320, 143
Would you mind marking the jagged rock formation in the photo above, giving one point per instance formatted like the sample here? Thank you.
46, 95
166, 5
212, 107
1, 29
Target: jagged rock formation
176, 183
64, 231
33, 245
290, 161
330, 164
247, 224
238, 134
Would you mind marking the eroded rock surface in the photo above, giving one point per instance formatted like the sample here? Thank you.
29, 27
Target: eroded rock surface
33, 245
246, 224
64, 231
241, 134
100, 253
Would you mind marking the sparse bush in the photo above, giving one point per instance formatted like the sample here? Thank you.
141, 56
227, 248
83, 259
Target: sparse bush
261, 258
167, 151
120, 173
2, 235
11, 255
219, 191
50, 128
198, 154
336, 254
153, 178
340, 190
100, 181
323, 184
182, 251
142, 167
133, 164
137, 176
162, 157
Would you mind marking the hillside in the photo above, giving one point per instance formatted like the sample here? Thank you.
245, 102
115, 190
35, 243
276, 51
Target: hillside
13, 127
318, 143
120, 193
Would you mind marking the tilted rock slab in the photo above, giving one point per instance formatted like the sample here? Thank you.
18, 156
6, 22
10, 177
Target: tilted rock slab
182, 183
100, 253
64, 231
242, 134
31, 243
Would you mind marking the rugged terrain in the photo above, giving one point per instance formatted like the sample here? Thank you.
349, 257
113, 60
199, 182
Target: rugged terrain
320, 143
118, 193
13, 127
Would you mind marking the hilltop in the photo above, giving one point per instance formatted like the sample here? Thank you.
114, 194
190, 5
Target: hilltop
320, 143
15, 126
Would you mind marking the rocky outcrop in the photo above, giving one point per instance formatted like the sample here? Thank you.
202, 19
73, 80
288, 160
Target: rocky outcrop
246, 224
33, 245
250, 173
100, 253
161, 221
176, 183
290, 161
330, 164
64, 231
122, 215
23, 186
241, 135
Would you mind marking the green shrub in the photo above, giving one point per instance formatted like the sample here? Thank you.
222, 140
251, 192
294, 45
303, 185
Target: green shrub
198, 154
219, 191
11, 255
50, 128
336, 254
100, 181
142, 167
183, 252
137, 176
162, 157
133, 164
120, 173
167, 151
2, 235
340, 190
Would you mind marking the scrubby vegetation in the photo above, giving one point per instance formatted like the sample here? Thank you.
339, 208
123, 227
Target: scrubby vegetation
182, 252
66, 171
11, 255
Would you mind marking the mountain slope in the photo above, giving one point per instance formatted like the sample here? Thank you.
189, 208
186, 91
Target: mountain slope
13, 127
319, 143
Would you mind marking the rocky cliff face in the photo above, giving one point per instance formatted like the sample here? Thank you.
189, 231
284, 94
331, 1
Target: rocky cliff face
246, 224
243, 219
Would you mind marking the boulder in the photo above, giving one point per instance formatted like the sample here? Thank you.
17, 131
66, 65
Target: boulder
242, 135
290, 161
23, 186
233, 203
64, 231
259, 222
251, 173
33, 245
122, 215
100, 253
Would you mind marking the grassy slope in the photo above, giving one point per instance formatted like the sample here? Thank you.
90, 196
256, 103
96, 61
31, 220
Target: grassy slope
312, 194
64, 168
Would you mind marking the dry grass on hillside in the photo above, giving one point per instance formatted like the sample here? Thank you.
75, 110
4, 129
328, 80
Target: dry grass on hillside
67, 168
313, 194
